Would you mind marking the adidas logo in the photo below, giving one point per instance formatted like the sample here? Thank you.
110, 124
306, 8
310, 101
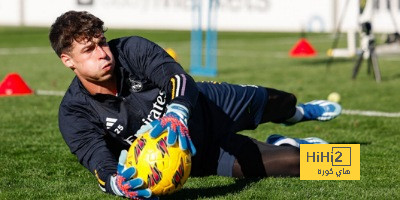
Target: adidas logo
110, 122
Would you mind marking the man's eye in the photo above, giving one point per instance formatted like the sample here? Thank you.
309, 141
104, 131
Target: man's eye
89, 49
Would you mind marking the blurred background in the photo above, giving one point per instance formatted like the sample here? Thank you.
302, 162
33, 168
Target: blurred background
233, 15
312, 48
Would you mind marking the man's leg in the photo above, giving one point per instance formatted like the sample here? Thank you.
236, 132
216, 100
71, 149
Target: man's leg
278, 161
248, 157
279, 156
281, 108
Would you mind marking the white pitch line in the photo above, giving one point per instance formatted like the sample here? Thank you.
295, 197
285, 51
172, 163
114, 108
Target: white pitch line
50, 92
25, 50
370, 113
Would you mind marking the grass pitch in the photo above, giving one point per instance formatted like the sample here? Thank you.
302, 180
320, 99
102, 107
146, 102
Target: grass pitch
35, 163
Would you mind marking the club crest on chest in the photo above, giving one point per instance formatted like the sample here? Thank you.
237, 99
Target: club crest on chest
136, 86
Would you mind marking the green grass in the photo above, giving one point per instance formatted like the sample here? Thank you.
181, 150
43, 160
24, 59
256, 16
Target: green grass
35, 163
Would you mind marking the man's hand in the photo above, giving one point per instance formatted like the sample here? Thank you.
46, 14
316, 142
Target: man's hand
175, 121
123, 183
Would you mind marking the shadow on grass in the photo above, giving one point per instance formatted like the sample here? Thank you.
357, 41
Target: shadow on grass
385, 77
211, 192
391, 77
324, 61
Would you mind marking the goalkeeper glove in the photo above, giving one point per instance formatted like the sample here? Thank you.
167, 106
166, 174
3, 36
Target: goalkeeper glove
123, 183
175, 121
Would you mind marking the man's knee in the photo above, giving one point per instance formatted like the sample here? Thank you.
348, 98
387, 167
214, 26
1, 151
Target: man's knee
280, 106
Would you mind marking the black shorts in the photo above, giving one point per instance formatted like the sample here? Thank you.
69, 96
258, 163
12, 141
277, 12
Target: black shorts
223, 110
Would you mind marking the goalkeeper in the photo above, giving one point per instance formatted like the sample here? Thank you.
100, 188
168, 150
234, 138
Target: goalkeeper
130, 85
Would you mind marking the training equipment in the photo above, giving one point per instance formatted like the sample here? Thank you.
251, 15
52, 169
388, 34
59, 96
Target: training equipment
302, 49
123, 184
175, 121
320, 110
368, 52
172, 53
13, 85
279, 140
334, 97
163, 168
196, 54
376, 14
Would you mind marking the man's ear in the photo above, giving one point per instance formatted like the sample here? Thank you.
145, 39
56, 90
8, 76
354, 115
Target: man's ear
67, 60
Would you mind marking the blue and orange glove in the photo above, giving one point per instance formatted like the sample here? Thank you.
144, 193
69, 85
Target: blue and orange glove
175, 121
123, 183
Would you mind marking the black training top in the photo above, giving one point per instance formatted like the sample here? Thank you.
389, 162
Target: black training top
97, 127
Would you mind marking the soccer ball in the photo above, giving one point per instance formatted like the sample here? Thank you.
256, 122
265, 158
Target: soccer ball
164, 169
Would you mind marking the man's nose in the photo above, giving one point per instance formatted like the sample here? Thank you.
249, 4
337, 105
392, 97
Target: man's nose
101, 53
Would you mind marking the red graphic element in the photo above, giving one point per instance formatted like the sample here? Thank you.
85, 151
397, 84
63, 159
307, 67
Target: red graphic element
155, 177
176, 179
124, 187
13, 85
139, 147
302, 49
175, 124
162, 146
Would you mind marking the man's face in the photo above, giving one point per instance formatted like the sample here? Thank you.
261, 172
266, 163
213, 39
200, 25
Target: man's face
90, 60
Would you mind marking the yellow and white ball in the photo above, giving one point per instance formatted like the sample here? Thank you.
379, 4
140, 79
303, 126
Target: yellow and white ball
334, 97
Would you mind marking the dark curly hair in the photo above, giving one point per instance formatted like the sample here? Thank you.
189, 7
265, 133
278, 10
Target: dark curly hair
74, 25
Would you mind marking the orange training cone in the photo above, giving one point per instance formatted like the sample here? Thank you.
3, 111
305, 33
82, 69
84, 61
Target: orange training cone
302, 49
14, 85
